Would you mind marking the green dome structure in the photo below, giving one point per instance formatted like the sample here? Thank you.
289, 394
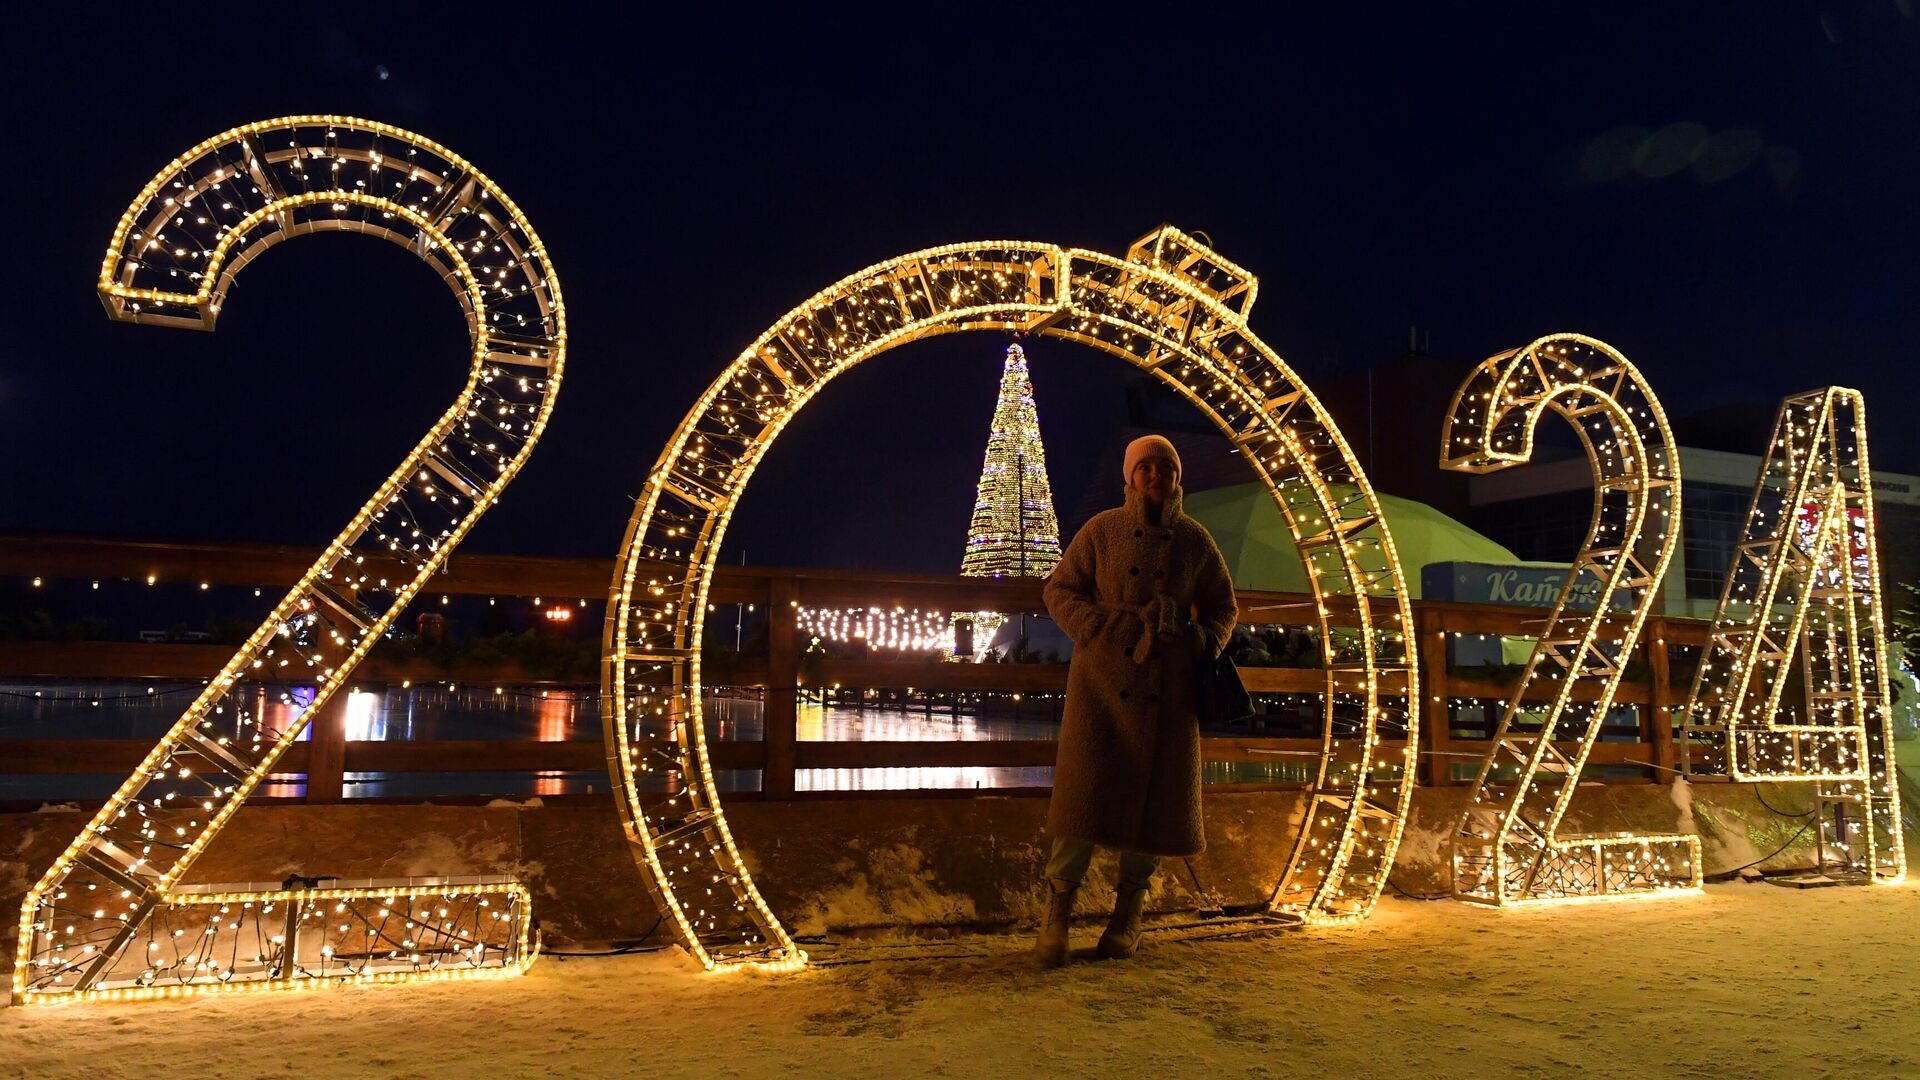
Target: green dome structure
1260, 552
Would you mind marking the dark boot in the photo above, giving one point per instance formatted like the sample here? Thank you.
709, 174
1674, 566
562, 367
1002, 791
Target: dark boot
1050, 948
1123, 929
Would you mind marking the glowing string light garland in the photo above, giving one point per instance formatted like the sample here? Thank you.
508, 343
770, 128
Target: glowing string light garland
880, 628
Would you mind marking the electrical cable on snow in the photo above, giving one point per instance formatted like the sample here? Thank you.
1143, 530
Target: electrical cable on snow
1729, 873
624, 950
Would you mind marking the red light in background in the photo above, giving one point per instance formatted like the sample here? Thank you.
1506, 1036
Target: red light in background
558, 614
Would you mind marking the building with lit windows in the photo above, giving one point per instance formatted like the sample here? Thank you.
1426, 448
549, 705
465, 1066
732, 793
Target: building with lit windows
1391, 415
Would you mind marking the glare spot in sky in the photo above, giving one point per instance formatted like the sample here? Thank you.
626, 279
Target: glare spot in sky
1630, 151
1610, 157
1784, 163
1726, 154
381, 71
1669, 150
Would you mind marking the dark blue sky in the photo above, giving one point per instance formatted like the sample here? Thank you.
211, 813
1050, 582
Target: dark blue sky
1731, 197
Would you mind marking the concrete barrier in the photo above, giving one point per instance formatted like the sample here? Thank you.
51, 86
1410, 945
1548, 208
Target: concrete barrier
843, 866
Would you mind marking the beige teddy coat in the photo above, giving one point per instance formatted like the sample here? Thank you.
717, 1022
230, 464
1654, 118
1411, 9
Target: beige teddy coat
1127, 773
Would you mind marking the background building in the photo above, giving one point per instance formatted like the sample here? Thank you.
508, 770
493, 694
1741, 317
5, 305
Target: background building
1541, 511
1391, 415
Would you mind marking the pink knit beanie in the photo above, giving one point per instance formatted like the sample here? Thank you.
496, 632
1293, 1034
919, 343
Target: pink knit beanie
1147, 446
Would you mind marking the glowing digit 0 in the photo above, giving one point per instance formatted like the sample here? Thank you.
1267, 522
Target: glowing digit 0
1172, 306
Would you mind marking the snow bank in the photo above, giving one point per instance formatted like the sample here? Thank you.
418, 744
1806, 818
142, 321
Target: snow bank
894, 889
1681, 986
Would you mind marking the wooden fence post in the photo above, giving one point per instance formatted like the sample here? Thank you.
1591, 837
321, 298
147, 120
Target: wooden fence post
1436, 723
1657, 727
783, 677
327, 750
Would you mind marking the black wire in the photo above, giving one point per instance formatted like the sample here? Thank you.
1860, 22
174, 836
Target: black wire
1761, 794
1763, 858
623, 950
630, 949
1391, 884
1197, 887
899, 959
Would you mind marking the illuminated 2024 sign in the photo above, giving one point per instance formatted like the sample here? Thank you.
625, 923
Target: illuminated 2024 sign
112, 917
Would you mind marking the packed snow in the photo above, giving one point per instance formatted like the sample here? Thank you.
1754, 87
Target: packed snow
1750, 979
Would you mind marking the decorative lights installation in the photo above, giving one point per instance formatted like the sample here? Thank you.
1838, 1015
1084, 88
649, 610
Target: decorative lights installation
1171, 306
1805, 586
111, 916
1508, 847
1014, 532
896, 629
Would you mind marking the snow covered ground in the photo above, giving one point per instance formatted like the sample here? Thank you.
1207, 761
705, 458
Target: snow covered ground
1747, 980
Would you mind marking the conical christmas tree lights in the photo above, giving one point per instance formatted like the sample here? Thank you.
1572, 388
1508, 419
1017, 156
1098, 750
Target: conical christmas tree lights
1014, 532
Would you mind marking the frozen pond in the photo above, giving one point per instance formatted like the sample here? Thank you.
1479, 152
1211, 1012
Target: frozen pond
123, 709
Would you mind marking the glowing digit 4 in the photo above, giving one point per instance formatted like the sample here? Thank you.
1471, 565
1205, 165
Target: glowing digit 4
1805, 586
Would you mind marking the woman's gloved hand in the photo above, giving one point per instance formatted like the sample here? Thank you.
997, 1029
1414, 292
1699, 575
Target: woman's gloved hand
1168, 617
1163, 620
1149, 629
1152, 628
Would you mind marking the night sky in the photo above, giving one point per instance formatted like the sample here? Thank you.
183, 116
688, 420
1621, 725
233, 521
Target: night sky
1731, 197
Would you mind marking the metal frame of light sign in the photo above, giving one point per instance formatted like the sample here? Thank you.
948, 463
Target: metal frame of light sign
1171, 306
88, 927
1805, 587
1507, 847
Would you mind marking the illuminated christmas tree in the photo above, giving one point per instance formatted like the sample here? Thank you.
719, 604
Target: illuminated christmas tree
1014, 532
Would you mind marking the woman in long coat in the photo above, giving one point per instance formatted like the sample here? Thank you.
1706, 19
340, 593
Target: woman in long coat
1144, 593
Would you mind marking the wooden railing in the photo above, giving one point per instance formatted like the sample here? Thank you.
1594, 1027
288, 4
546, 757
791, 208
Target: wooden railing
327, 755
